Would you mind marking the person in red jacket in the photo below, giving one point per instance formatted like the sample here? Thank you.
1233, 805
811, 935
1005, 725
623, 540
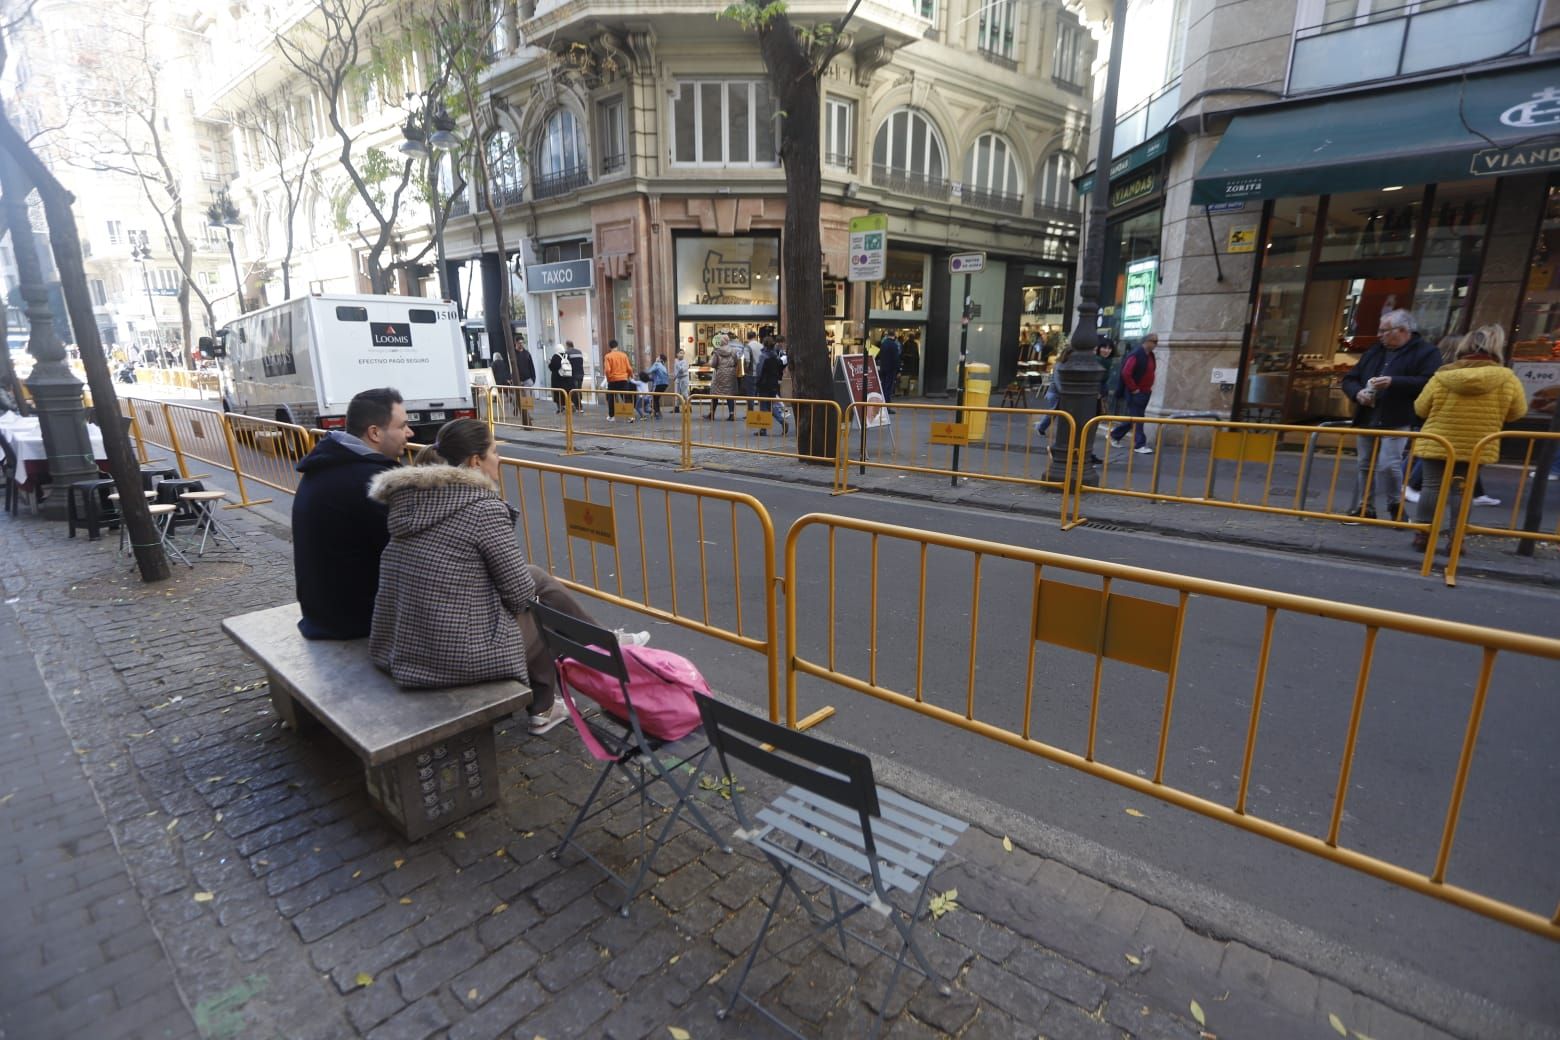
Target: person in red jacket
1137, 386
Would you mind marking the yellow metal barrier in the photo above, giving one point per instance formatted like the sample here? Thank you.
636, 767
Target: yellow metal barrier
150, 424
1001, 444
204, 434
626, 423
266, 451
1247, 446
647, 545
1529, 482
760, 430
529, 408
1118, 630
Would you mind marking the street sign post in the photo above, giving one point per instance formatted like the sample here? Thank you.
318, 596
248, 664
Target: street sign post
966, 264
868, 247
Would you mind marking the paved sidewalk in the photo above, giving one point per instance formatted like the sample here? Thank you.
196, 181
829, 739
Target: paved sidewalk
228, 861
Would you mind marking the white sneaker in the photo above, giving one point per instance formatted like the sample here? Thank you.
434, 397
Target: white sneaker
1413, 496
1144, 450
1484, 500
547, 720
626, 638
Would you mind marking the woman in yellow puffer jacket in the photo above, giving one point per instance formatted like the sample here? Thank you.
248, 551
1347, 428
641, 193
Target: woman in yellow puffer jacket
1464, 402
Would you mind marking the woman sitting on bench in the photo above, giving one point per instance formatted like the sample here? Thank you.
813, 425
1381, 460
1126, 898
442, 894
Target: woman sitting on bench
453, 581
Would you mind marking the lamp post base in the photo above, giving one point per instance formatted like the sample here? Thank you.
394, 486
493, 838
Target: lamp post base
62, 417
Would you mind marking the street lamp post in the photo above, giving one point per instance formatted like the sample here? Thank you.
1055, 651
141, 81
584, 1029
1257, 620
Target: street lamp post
428, 131
142, 255
1078, 378
223, 214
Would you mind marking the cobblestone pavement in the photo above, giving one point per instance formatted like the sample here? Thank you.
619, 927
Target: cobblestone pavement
230, 868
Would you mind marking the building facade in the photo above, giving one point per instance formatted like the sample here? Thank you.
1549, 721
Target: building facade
1300, 166
635, 171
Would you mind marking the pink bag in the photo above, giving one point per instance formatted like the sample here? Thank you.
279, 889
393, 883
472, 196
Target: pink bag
660, 683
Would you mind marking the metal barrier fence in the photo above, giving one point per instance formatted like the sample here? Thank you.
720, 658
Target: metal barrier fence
178, 378
647, 545
207, 435
268, 450
1250, 446
529, 408
1001, 444
772, 428
1531, 480
1111, 631
628, 421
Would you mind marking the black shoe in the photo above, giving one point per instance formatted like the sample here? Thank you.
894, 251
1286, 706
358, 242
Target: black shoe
1393, 509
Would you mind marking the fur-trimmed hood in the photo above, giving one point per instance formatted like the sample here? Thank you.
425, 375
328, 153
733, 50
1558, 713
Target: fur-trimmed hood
420, 497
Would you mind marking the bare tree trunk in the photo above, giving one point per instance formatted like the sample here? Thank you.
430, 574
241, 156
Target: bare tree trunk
137, 518
795, 83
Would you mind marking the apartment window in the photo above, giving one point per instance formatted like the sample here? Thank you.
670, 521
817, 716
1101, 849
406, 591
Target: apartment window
991, 177
611, 141
563, 156
1067, 63
165, 280
116, 232
907, 142
926, 9
1056, 183
997, 21
839, 136
503, 162
138, 238
724, 123
500, 41
99, 294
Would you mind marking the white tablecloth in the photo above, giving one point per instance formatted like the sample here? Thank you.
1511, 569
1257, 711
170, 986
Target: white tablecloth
26, 439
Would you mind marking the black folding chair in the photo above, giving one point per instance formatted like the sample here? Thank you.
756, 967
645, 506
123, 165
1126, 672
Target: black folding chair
626, 747
835, 826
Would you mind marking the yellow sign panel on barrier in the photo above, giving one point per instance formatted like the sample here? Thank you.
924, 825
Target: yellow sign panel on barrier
592, 521
623, 409
1135, 631
950, 433
1244, 446
762, 420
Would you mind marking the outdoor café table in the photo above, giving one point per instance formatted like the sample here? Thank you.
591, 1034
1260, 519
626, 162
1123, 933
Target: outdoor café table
25, 436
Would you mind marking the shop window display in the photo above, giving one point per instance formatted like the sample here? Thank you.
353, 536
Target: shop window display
1535, 348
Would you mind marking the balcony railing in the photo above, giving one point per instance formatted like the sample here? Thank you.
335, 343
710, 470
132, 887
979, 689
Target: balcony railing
613, 163
563, 182
840, 160
999, 59
460, 206
999, 201
907, 182
1388, 44
504, 196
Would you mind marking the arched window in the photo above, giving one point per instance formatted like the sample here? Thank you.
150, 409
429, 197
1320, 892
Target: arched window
1056, 183
563, 158
991, 177
503, 166
908, 155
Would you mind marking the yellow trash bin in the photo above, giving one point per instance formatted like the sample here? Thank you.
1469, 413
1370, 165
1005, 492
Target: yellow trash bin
977, 394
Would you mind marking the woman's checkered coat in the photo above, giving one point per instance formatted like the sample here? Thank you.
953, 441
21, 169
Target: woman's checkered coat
450, 581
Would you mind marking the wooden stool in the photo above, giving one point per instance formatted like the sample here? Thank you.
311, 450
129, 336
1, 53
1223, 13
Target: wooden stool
1015, 396
204, 504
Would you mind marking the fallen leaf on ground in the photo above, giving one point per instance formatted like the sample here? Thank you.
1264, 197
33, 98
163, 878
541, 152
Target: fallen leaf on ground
943, 903
204, 897
678, 1033
501, 853
172, 824
1197, 1013
1007, 843
363, 978
1135, 812
398, 863
1337, 1024
1133, 960
500, 908
471, 994
405, 901
357, 873
461, 835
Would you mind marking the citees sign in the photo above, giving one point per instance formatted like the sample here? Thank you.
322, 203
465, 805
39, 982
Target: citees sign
564, 276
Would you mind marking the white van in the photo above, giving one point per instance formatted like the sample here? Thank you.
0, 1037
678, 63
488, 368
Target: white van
302, 361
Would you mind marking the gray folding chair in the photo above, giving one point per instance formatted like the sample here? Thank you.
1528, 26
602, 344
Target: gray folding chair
626, 748
835, 826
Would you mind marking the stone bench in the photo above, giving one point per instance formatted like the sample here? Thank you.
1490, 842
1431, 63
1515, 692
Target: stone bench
428, 755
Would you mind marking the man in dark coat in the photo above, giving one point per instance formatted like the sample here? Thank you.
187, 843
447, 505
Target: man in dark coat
1385, 384
562, 378
338, 532
888, 364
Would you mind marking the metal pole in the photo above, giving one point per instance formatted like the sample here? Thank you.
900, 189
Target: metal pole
1084, 334
964, 341
238, 283
151, 305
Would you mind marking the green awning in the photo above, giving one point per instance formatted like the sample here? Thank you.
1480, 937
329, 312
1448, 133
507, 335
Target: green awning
1128, 161
1407, 135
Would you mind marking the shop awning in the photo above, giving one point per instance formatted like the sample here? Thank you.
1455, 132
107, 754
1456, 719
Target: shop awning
1128, 161
1452, 129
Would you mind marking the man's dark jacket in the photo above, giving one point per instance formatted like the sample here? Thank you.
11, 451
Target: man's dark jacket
339, 534
1410, 367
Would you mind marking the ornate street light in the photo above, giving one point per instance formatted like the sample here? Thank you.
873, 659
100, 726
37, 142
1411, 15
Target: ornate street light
142, 255
223, 214
428, 131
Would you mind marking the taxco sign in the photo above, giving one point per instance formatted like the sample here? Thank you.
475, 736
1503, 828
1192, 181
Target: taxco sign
564, 276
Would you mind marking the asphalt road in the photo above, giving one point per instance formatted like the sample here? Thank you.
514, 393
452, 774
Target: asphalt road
1419, 951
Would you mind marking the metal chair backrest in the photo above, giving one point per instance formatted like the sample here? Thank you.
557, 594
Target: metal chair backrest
838, 774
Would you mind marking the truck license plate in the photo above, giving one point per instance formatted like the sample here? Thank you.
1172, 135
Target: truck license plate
435, 415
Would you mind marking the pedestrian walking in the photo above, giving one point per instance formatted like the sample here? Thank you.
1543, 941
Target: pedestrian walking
726, 383
770, 371
681, 375
620, 376
660, 379
1385, 384
525, 378
576, 361
562, 378
1465, 401
1137, 385
888, 359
